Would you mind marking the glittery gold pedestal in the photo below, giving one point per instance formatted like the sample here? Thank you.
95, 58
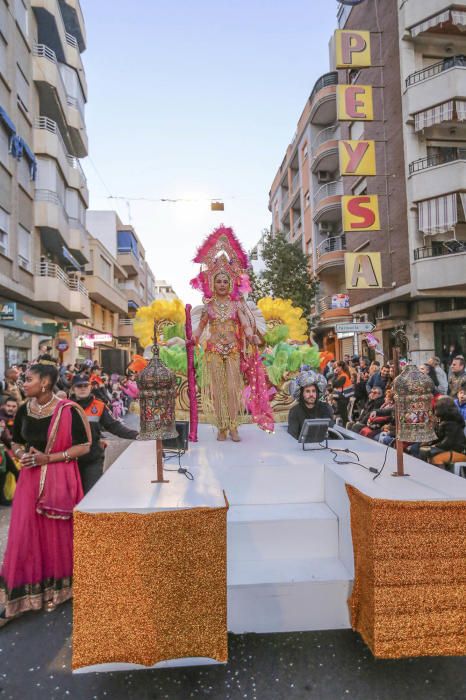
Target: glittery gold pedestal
149, 587
409, 595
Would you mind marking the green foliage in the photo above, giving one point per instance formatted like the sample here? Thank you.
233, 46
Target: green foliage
258, 287
286, 273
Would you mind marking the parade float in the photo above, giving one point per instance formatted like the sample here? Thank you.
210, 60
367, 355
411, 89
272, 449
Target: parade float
284, 351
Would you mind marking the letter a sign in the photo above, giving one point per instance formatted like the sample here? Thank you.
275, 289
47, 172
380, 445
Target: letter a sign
363, 270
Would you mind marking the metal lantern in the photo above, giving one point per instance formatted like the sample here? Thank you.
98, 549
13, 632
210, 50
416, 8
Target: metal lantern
413, 404
157, 387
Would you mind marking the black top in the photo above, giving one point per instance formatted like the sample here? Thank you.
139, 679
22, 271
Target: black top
450, 434
32, 432
300, 412
108, 423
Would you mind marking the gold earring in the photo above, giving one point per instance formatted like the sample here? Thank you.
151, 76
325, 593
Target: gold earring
43, 389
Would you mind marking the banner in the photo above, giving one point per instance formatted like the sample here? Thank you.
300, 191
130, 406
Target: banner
355, 103
357, 157
353, 48
360, 212
363, 270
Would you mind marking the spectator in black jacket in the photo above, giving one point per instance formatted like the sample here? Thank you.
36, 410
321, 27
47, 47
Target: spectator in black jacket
91, 465
450, 443
309, 388
380, 379
374, 402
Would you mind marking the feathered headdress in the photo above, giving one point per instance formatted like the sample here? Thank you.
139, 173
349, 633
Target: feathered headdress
222, 252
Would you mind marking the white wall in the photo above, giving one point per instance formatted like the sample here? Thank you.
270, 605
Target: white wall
103, 226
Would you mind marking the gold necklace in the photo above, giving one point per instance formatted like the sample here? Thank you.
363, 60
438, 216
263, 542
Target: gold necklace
223, 309
38, 408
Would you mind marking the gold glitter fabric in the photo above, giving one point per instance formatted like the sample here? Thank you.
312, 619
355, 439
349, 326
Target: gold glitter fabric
409, 594
148, 588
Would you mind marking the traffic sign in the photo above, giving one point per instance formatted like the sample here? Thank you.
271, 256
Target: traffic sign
354, 327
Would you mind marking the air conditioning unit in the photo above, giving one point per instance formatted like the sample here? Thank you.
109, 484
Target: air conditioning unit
324, 176
326, 227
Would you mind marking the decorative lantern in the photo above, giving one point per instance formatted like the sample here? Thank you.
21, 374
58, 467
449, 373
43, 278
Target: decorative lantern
157, 386
413, 404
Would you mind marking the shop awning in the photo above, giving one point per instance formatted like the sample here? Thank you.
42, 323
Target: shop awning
456, 17
434, 115
132, 304
438, 215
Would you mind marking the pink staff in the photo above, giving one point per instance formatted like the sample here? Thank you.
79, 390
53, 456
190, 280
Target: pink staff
191, 377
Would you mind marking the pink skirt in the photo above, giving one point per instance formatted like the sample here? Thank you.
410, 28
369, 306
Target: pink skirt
38, 563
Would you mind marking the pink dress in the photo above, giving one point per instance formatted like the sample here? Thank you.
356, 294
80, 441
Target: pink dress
38, 563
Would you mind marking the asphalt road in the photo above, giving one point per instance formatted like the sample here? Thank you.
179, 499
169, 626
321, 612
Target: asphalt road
35, 663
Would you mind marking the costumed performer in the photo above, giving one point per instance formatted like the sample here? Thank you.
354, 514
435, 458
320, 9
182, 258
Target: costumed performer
309, 386
49, 434
232, 328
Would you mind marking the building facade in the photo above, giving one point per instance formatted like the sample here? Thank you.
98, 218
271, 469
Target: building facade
417, 73
120, 258
164, 290
43, 190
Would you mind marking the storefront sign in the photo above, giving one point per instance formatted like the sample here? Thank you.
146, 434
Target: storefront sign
64, 327
357, 157
25, 321
102, 337
361, 212
8, 311
355, 103
353, 48
340, 301
62, 346
363, 270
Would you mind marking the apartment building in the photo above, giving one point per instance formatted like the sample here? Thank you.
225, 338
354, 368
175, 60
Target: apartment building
164, 290
432, 39
120, 256
305, 201
43, 191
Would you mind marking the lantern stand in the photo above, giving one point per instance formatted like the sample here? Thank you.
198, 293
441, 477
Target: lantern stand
157, 385
399, 445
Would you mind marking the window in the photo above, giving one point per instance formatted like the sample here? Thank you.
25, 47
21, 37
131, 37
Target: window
356, 131
21, 16
3, 57
361, 187
127, 243
353, 75
305, 151
105, 269
24, 247
22, 88
307, 199
4, 231
24, 174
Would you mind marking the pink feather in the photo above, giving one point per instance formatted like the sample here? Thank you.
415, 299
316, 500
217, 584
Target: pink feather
212, 239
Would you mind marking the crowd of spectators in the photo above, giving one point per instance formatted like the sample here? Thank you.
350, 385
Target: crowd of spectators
362, 397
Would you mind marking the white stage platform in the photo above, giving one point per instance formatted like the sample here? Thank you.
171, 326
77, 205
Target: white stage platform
290, 557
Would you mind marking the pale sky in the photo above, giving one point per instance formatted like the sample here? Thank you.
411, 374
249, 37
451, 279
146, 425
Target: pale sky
196, 100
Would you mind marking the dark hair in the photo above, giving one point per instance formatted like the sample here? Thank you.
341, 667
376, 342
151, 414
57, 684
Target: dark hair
301, 393
343, 365
45, 372
10, 398
446, 409
461, 359
432, 374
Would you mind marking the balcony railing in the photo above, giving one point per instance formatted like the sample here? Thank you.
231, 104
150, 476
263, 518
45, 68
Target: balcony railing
43, 51
297, 225
325, 303
439, 249
435, 69
327, 134
330, 189
324, 81
49, 196
449, 155
331, 245
295, 183
52, 127
71, 40
51, 270
126, 321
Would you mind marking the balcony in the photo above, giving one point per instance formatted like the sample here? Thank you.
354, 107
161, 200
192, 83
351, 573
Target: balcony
323, 100
74, 21
49, 141
432, 16
126, 328
60, 294
54, 223
327, 202
132, 292
438, 83
106, 294
325, 150
128, 261
78, 241
441, 267
329, 316
52, 32
331, 252
437, 174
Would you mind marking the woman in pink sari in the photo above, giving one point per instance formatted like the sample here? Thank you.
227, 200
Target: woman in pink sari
49, 435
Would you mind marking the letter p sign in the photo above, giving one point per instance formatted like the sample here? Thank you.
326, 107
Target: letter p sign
353, 48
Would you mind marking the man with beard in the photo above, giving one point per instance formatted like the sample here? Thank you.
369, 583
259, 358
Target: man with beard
309, 387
